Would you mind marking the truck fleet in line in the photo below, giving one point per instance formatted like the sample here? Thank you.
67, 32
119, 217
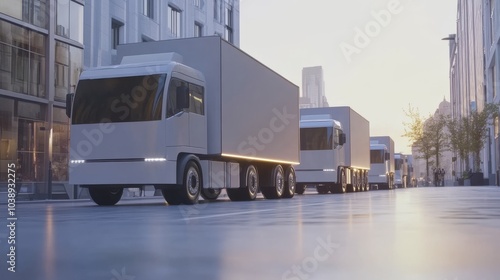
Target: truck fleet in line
194, 116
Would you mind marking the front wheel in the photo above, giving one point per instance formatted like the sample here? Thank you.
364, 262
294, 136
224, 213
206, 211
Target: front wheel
105, 196
189, 192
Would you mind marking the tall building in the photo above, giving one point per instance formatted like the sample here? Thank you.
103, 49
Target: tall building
313, 88
491, 41
41, 55
467, 69
114, 22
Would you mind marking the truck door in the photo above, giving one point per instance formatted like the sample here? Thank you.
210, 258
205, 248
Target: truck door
197, 118
177, 123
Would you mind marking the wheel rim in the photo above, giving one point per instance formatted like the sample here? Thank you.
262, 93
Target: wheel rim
343, 183
279, 180
193, 181
252, 181
291, 183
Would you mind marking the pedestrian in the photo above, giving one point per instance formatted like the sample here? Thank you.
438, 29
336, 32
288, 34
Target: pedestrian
142, 192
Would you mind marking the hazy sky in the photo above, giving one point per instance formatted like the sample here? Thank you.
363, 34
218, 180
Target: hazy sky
404, 61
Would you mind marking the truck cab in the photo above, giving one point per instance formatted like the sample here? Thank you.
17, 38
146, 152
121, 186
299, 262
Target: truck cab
400, 170
379, 174
321, 139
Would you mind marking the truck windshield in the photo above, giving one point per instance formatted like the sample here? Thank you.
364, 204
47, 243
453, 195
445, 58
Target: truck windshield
398, 163
124, 99
318, 138
377, 156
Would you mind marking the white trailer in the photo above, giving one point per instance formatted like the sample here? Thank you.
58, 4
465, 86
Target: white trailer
381, 173
189, 116
334, 152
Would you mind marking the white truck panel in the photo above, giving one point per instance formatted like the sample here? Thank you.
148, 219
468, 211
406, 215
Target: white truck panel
251, 110
357, 146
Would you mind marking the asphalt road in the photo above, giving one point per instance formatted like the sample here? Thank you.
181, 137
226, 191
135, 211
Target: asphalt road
425, 233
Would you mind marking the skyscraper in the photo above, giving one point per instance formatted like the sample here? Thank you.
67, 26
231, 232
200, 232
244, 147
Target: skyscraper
313, 88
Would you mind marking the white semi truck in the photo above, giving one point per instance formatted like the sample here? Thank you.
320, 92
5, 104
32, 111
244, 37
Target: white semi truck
334, 156
189, 116
381, 175
400, 170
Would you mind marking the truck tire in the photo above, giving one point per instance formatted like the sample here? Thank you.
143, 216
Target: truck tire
278, 184
189, 192
322, 189
352, 186
365, 181
171, 195
341, 186
210, 194
105, 196
290, 183
300, 188
249, 185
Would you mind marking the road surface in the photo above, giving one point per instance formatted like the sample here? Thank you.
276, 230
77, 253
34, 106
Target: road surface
424, 233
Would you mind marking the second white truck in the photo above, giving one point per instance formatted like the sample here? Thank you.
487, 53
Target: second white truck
334, 150
381, 175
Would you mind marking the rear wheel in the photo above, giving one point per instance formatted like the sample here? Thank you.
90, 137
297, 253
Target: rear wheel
171, 195
290, 184
322, 189
210, 194
352, 186
300, 188
105, 196
249, 185
278, 184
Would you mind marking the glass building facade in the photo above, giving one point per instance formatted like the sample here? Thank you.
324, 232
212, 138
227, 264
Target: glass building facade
41, 58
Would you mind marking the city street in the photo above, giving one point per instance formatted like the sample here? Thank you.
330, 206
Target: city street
424, 233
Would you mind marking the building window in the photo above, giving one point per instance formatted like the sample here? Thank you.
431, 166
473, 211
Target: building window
216, 10
492, 21
116, 28
198, 29
35, 12
69, 20
22, 56
147, 8
61, 70
228, 24
174, 23
494, 81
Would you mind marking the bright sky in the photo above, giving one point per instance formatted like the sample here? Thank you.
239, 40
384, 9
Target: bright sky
403, 62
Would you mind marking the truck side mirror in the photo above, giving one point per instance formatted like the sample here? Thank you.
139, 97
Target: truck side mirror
342, 139
69, 103
387, 156
182, 97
